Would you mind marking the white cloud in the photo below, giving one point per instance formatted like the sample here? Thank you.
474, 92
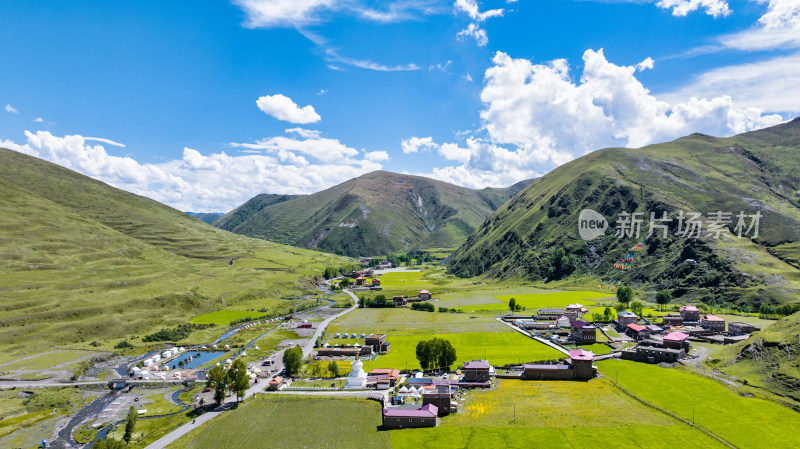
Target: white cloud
768, 84
647, 64
552, 119
322, 92
195, 182
283, 108
333, 56
468, 77
415, 144
277, 13
11, 109
779, 27
376, 156
441, 67
680, 8
474, 31
38, 120
106, 141
471, 8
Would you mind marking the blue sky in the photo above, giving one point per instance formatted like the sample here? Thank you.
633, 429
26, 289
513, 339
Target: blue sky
202, 105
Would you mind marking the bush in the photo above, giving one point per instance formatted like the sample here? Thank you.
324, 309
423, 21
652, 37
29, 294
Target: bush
423, 306
123, 345
179, 333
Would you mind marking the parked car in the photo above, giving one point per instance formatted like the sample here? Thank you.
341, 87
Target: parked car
206, 390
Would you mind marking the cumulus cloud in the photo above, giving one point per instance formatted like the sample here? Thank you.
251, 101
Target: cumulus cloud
313, 144
283, 108
376, 156
38, 120
680, 8
196, 182
277, 13
538, 107
11, 109
647, 64
415, 144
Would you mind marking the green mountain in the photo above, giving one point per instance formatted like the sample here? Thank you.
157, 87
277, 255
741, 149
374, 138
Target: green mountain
753, 172
377, 213
236, 217
206, 217
768, 359
83, 262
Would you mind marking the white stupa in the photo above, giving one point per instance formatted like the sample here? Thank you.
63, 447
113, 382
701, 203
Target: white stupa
357, 377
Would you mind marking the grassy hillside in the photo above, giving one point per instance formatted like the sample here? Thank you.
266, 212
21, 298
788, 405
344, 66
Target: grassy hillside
236, 217
377, 213
769, 359
751, 172
83, 262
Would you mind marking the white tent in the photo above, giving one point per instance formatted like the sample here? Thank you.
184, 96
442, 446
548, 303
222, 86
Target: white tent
404, 389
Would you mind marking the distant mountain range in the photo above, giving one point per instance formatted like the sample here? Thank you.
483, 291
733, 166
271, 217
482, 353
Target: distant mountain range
377, 213
206, 217
755, 172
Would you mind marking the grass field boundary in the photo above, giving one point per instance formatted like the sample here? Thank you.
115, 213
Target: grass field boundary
669, 413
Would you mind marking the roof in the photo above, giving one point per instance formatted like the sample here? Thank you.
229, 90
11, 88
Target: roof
575, 306
424, 291
391, 373
675, 336
551, 310
712, 317
376, 336
276, 380
427, 411
477, 364
636, 327
689, 309
627, 314
578, 323
558, 366
654, 328
739, 323
581, 354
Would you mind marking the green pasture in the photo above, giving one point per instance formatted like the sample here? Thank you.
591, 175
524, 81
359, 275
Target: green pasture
292, 421
223, 317
731, 413
44, 361
404, 321
499, 348
534, 301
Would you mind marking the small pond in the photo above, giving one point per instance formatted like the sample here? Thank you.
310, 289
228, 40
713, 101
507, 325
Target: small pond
198, 358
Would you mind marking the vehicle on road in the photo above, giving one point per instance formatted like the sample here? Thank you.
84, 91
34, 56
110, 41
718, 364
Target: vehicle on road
206, 390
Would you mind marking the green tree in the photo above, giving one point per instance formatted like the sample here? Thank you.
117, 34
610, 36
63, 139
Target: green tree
663, 297
637, 307
607, 315
217, 379
424, 353
130, 426
240, 381
447, 354
560, 264
108, 443
292, 359
625, 294
333, 368
316, 370
512, 304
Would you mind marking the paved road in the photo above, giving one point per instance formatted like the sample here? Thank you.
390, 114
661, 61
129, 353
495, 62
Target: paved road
44, 384
555, 346
255, 388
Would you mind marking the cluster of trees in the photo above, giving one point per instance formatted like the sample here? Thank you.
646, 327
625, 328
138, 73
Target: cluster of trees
233, 379
560, 265
624, 294
379, 301
436, 353
332, 272
292, 360
512, 304
423, 306
451, 310
782, 310
176, 334
122, 345
606, 316
331, 370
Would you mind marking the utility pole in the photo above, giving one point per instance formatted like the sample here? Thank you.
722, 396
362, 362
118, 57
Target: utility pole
692, 415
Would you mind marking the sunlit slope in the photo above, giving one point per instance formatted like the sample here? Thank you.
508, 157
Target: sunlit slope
757, 171
378, 213
81, 261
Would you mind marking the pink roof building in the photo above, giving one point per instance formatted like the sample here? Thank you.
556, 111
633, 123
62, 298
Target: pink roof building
675, 336
426, 411
689, 309
581, 354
